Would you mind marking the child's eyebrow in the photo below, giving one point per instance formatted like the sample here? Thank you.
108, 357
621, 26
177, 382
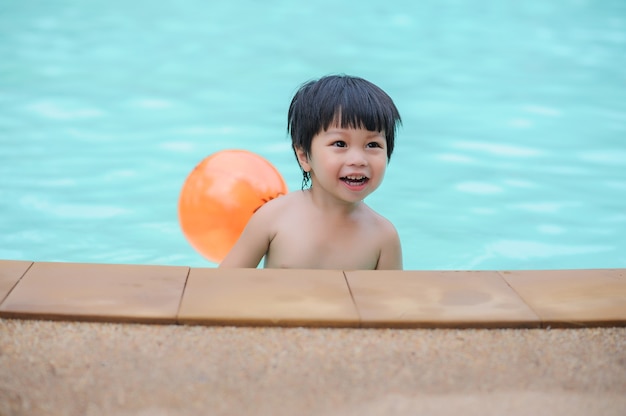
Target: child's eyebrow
336, 130
343, 131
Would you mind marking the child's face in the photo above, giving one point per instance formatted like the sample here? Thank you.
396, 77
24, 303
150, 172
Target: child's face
345, 162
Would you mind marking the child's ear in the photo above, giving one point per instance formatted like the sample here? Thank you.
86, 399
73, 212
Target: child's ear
303, 159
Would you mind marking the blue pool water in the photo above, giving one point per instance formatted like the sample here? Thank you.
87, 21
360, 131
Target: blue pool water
512, 154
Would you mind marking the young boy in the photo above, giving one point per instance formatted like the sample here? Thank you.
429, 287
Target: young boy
342, 131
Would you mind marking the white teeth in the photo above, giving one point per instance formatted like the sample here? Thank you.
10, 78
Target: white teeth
355, 178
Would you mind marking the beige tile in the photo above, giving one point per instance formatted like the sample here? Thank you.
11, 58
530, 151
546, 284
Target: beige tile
619, 273
267, 297
10, 273
573, 297
100, 292
432, 299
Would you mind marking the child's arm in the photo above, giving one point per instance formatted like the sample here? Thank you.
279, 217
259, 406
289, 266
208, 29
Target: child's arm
252, 244
391, 251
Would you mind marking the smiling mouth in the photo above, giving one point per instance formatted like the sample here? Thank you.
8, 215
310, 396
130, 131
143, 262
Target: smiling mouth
355, 180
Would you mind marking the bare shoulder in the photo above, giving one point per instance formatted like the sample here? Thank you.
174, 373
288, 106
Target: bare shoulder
278, 205
382, 224
271, 213
390, 257
258, 234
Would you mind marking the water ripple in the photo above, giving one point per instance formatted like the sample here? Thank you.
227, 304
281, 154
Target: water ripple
57, 111
478, 188
499, 149
610, 156
65, 210
524, 249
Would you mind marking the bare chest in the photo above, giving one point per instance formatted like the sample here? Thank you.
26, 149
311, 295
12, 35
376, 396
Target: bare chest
324, 246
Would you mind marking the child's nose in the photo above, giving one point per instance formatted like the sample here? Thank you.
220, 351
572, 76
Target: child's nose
356, 157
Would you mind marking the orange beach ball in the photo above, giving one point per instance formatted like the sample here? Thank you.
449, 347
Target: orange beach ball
220, 195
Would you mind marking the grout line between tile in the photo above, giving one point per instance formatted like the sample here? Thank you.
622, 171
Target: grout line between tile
16, 283
356, 308
182, 295
541, 321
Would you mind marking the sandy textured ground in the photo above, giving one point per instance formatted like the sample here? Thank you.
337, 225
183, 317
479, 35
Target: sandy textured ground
49, 368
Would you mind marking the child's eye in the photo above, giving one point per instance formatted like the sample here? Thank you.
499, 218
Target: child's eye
374, 145
339, 143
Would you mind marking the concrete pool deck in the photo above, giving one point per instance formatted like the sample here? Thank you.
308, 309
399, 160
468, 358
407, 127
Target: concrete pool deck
309, 342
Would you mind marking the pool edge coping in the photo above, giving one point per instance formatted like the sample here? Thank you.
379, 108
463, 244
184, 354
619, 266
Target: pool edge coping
595, 297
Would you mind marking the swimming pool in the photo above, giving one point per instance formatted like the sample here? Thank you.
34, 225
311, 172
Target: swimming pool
512, 154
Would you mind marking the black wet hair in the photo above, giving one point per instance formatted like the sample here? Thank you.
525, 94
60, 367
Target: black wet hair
351, 102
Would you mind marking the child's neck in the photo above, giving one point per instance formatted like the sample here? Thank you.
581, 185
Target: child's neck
331, 205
